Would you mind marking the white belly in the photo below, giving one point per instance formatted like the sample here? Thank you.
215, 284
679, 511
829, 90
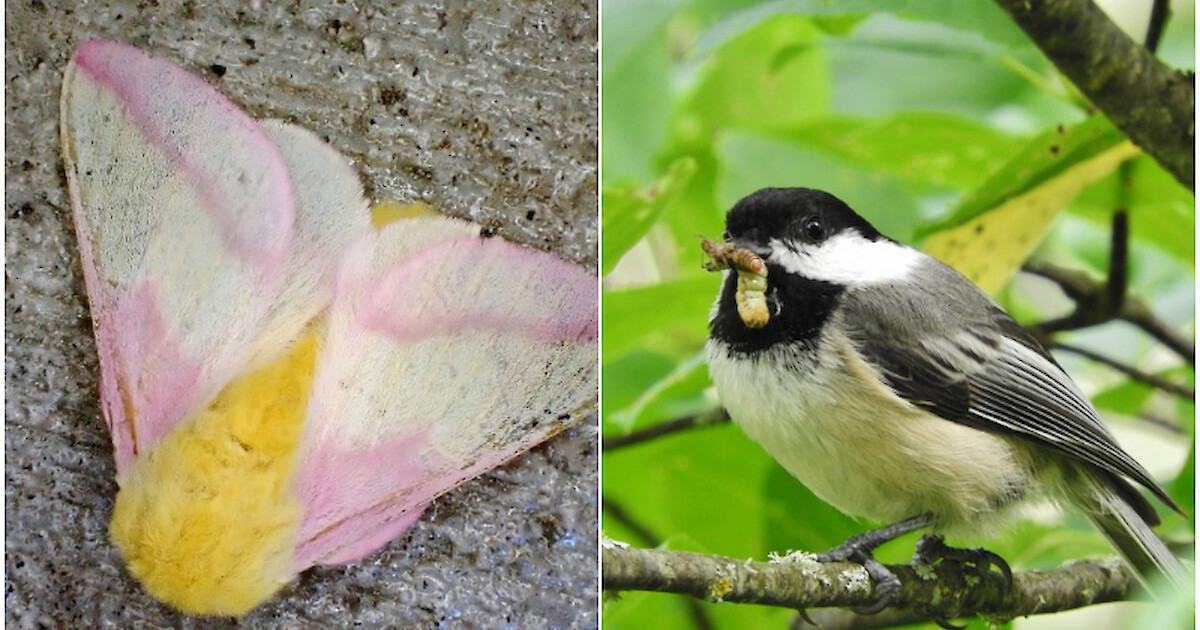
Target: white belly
861, 448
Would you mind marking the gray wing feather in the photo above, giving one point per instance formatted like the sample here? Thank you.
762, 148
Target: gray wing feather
967, 361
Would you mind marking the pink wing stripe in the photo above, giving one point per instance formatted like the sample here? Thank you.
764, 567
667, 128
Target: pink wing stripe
412, 488
170, 378
333, 477
363, 537
235, 176
116, 409
399, 303
460, 285
158, 95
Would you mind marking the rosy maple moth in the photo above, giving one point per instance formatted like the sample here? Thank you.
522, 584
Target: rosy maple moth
287, 383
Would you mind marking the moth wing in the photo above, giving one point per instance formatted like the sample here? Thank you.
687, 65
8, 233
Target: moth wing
331, 217
446, 355
186, 219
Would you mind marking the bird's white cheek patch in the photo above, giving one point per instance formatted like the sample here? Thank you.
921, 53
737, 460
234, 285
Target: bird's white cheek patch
848, 259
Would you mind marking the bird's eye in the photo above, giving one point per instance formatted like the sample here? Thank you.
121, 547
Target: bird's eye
726, 236
814, 229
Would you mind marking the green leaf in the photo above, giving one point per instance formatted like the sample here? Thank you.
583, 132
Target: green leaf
628, 214
794, 519
1183, 489
1032, 544
981, 17
629, 25
757, 161
645, 388
1128, 398
837, 25
694, 212
684, 384
638, 610
922, 148
636, 110
770, 76
1161, 211
680, 308
1052, 155
683, 485
1176, 609
626, 377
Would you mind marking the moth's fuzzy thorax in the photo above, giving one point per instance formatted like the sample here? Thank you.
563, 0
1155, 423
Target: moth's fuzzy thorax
208, 519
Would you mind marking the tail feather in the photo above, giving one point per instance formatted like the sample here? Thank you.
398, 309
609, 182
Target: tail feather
1127, 526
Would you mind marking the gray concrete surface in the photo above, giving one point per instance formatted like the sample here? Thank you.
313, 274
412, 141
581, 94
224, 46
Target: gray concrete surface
486, 110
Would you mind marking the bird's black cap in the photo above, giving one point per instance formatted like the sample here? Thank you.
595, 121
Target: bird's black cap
782, 212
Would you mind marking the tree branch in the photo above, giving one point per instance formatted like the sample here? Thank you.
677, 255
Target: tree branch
943, 591
696, 611
846, 619
1159, 12
618, 513
1116, 287
707, 418
1093, 306
1137, 313
1153, 380
1153, 105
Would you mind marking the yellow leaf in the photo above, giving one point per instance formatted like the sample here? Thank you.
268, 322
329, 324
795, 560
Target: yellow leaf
990, 247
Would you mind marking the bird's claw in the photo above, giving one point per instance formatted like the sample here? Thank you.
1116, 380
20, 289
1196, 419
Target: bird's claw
859, 548
933, 549
803, 614
945, 623
887, 585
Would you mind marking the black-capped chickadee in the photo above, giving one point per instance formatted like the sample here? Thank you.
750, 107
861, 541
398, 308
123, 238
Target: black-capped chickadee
897, 391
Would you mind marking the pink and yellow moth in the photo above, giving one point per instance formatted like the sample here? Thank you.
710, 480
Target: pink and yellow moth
285, 383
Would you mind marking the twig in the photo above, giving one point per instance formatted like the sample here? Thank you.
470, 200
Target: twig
1092, 307
707, 418
1097, 303
614, 509
617, 511
1154, 380
1138, 314
939, 592
1157, 24
1165, 424
846, 619
1152, 104
1116, 288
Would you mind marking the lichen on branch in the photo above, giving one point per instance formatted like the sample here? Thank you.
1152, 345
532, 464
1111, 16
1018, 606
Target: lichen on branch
946, 590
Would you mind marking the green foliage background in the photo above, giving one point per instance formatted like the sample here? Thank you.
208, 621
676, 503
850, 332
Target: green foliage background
922, 115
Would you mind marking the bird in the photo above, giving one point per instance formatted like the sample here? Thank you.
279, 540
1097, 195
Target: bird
899, 392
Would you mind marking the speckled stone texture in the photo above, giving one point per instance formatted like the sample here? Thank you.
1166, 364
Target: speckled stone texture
486, 110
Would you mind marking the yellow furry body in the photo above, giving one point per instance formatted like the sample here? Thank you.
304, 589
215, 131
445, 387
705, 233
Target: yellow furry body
207, 520
391, 211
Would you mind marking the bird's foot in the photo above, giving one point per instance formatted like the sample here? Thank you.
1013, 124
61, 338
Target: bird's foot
858, 549
932, 549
